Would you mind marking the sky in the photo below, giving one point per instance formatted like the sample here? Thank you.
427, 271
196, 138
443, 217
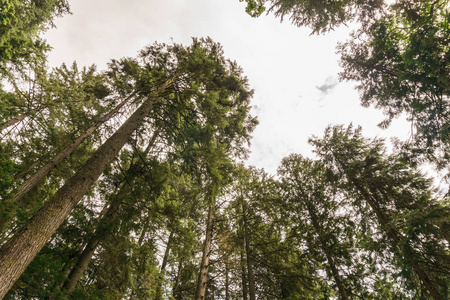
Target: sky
294, 74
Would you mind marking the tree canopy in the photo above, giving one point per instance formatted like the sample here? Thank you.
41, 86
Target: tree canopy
131, 182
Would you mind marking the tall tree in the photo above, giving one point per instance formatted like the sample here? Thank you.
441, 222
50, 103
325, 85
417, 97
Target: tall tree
401, 63
209, 100
17, 253
395, 192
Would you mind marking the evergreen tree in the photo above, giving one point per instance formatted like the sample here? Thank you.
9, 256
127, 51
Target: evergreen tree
396, 193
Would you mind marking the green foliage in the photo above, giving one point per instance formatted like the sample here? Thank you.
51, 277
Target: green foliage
321, 16
21, 22
401, 62
398, 196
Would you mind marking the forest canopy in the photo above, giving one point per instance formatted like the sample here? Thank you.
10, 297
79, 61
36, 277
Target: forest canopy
131, 182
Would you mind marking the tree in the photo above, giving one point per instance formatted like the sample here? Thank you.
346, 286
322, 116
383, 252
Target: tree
69, 106
21, 22
18, 252
208, 100
395, 192
401, 64
309, 194
321, 16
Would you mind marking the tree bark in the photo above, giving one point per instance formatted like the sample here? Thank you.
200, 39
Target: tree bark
251, 277
163, 267
20, 250
227, 279
12, 121
107, 218
203, 274
42, 173
244, 277
178, 279
49, 166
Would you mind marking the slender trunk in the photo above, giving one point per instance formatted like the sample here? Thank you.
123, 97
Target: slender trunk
107, 218
42, 173
166, 253
20, 250
163, 267
12, 121
227, 280
251, 277
328, 254
25, 172
49, 166
203, 274
178, 279
244, 277
89, 249
144, 231
394, 236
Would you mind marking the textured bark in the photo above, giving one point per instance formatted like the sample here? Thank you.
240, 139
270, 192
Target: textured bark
244, 277
203, 274
27, 171
107, 218
49, 166
251, 276
394, 236
20, 250
326, 250
227, 280
12, 121
178, 279
42, 173
166, 253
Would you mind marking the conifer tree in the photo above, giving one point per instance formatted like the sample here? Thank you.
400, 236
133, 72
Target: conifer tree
395, 192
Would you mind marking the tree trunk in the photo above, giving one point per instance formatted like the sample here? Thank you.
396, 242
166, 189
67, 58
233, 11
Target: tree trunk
89, 249
203, 274
166, 253
107, 218
244, 277
251, 277
178, 279
227, 279
326, 250
12, 121
42, 173
163, 267
49, 166
394, 236
20, 250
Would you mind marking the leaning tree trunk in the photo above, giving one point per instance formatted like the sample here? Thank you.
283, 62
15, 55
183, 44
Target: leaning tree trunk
89, 250
20, 250
42, 173
12, 121
107, 218
49, 166
203, 274
176, 285
227, 279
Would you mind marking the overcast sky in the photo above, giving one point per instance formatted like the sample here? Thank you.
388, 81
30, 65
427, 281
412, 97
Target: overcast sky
294, 75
